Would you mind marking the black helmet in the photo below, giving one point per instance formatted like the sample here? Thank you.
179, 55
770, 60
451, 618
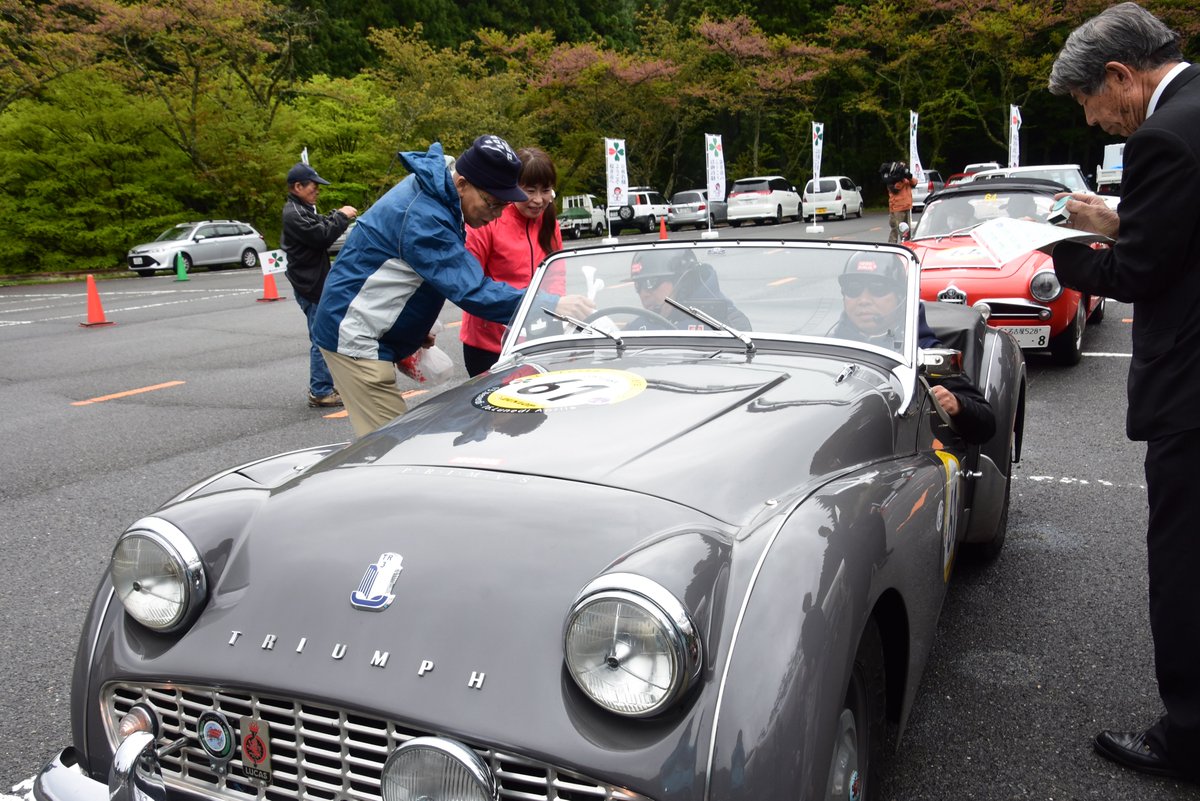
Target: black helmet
661, 263
874, 267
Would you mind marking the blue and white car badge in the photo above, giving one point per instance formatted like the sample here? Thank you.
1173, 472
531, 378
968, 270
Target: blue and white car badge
374, 592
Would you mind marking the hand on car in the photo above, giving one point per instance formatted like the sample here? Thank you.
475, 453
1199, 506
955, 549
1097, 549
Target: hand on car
576, 306
1090, 213
946, 399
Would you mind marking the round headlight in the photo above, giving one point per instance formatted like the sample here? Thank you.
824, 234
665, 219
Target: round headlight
436, 769
1045, 286
984, 309
630, 645
158, 575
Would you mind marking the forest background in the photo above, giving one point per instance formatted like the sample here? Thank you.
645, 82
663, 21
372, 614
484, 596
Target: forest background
119, 118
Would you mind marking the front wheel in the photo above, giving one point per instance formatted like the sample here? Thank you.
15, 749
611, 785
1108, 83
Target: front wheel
1097, 315
1067, 348
842, 215
778, 214
860, 727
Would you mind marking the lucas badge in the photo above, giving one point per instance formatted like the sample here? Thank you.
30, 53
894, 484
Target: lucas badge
374, 592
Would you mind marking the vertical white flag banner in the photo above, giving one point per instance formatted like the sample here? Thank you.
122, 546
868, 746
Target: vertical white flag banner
616, 165
714, 159
914, 158
304, 155
1014, 140
818, 142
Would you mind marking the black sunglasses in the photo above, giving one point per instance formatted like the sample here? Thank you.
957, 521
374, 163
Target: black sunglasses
854, 286
647, 284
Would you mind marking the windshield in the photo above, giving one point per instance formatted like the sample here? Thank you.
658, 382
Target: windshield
861, 293
959, 213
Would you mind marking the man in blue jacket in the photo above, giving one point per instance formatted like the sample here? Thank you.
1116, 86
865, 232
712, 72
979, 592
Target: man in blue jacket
406, 257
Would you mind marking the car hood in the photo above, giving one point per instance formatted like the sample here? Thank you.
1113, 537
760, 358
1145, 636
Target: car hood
965, 254
714, 433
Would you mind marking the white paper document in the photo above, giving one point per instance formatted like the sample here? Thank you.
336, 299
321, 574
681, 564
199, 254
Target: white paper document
1004, 239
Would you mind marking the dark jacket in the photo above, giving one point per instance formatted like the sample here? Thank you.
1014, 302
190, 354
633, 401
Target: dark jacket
1155, 263
306, 238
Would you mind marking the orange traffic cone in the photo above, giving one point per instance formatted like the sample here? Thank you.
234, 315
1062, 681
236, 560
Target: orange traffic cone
662, 228
94, 309
270, 293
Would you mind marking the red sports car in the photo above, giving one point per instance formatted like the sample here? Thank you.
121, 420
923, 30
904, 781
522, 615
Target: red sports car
1022, 296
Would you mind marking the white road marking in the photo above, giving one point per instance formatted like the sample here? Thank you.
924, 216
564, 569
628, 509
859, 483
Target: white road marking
1110, 355
199, 295
1070, 480
24, 791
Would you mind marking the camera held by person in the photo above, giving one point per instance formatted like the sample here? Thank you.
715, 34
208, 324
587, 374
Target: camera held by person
891, 172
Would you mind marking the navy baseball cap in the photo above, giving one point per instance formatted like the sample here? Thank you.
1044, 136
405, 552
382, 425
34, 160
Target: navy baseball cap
491, 164
302, 172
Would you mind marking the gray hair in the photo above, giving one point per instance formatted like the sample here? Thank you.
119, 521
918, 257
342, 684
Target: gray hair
1126, 33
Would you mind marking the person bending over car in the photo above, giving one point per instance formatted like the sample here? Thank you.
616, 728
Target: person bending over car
677, 274
873, 292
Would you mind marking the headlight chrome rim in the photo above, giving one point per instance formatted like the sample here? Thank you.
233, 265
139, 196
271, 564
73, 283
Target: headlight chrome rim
460, 755
673, 619
182, 556
1052, 279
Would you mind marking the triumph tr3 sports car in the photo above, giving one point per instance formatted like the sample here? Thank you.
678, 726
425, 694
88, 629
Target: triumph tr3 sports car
1022, 296
650, 556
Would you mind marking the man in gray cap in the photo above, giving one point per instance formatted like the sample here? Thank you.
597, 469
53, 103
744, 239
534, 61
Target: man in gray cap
406, 257
305, 238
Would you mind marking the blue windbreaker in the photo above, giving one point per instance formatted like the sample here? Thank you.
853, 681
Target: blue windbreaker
406, 257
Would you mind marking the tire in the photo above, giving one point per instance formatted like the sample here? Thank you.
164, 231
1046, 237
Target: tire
599, 229
858, 213
842, 216
859, 733
625, 213
778, 215
1097, 315
187, 263
736, 223
249, 258
676, 227
648, 224
1067, 348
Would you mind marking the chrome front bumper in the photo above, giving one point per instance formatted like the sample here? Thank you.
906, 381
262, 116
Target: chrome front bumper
134, 775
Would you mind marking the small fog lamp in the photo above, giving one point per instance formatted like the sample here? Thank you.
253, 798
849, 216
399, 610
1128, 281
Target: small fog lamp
437, 769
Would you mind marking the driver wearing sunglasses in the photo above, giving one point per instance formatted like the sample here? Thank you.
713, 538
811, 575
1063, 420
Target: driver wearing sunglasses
874, 287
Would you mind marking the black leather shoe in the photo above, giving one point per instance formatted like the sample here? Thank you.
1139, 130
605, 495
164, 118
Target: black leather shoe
1132, 750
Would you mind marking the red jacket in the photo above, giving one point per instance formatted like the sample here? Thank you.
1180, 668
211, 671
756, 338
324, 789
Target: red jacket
508, 249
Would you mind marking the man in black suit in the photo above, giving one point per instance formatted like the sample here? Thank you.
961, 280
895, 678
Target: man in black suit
1125, 68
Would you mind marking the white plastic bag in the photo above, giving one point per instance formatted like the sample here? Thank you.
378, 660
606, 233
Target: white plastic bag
427, 366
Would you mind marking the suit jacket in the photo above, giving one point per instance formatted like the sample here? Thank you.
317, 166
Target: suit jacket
1155, 263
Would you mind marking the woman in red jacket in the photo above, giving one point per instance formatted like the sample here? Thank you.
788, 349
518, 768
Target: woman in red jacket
510, 248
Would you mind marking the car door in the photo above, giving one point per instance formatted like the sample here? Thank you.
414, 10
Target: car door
205, 247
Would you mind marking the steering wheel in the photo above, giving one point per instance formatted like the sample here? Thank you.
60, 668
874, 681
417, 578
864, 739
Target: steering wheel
636, 311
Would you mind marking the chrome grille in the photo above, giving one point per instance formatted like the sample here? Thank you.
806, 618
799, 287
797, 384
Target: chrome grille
318, 753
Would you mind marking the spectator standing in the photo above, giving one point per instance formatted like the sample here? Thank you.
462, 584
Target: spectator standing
1125, 68
510, 248
900, 204
404, 259
305, 238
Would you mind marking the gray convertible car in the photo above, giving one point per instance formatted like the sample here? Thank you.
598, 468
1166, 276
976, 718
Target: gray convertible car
692, 547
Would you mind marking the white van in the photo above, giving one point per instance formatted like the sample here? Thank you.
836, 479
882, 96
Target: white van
832, 196
762, 198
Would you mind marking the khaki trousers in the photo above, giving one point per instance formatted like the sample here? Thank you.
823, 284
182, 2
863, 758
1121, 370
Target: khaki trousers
368, 389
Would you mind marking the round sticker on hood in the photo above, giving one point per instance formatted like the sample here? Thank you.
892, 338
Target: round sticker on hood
560, 390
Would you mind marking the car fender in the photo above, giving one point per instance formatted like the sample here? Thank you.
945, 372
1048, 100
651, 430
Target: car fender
1002, 381
849, 552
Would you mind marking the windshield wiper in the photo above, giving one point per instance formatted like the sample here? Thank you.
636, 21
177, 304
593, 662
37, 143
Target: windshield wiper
962, 231
583, 326
714, 322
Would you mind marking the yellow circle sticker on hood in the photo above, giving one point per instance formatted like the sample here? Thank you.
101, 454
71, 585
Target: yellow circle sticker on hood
561, 389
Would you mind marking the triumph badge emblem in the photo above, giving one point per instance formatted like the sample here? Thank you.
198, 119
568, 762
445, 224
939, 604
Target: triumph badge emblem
374, 592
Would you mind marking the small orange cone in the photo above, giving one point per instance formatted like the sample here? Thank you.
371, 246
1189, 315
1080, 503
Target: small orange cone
94, 309
662, 228
270, 293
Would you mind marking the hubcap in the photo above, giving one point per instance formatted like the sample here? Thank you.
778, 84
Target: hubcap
845, 784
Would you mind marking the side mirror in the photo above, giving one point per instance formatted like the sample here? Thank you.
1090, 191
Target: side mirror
939, 363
